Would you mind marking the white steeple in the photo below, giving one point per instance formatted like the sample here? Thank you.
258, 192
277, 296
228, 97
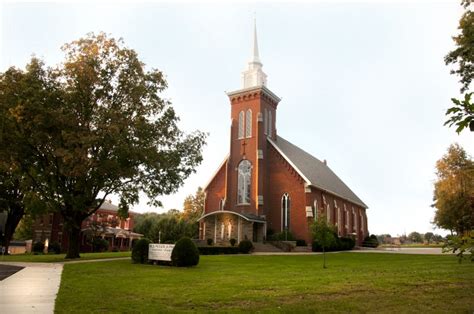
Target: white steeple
254, 75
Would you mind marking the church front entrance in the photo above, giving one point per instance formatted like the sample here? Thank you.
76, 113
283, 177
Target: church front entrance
222, 226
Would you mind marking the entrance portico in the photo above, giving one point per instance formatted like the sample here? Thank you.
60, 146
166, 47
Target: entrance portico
223, 225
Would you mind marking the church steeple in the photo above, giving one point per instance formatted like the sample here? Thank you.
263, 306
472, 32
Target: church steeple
254, 75
255, 56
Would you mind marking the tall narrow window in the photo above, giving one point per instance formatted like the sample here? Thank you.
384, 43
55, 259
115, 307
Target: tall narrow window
241, 124
354, 222
265, 121
328, 213
270, 123
285, 212
222, 230
221, 204
243, 182
346, 212
315, 209
248, 124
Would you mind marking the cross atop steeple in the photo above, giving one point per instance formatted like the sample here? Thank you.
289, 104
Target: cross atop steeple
254, 75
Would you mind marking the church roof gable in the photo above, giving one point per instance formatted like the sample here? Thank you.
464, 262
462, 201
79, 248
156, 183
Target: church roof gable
314, 171
217, 171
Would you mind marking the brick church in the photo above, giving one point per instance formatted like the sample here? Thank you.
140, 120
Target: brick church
267, 184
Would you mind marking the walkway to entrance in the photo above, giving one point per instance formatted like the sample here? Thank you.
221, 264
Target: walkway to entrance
32, 289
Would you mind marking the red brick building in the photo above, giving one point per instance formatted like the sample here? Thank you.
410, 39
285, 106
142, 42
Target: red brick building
266, 183
104, 223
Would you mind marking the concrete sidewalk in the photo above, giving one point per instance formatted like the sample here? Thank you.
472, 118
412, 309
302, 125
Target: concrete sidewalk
32, 289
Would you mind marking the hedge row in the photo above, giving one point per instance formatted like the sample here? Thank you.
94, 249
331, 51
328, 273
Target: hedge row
370, 241
341, 244
216, 250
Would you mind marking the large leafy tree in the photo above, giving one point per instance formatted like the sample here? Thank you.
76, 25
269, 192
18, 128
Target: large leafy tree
13, 191
17, 197
415, 237
96, 125
454, 191
429, 236
462, 113
193, 206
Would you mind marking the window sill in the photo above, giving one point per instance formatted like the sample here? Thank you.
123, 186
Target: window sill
243, 204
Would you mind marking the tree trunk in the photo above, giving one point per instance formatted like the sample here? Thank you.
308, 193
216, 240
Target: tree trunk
73, 233
13, 219
324, 257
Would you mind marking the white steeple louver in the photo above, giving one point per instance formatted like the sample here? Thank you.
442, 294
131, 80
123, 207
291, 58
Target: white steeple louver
254, 75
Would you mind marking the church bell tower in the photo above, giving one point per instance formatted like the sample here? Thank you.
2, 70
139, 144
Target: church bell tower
253, 116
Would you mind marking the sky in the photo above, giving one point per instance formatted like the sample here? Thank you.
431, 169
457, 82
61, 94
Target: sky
363, 83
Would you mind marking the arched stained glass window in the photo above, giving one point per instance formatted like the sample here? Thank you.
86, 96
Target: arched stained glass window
248, 124
285, 211
241, 124
243, 182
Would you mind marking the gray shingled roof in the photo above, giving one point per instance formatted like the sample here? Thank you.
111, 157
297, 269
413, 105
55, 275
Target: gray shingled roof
107, 205
316, 172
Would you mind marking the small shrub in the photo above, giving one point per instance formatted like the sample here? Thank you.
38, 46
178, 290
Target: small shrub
300, 242
185, 253
38, 247
54, 248
281, 236
140, 251
232, 242
370, 241
99, 245
115, 249
209, 241
245, 246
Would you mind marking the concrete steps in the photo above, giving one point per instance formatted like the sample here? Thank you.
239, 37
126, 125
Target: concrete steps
302, 249
265, 247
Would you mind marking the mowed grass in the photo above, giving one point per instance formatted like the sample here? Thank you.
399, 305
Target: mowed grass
58, 258
353, 282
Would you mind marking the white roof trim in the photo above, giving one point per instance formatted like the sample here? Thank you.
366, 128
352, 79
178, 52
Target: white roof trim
215, 173
289, 161
228, 212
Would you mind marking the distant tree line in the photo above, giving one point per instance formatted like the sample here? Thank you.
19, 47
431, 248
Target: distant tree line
412, 237
171, 226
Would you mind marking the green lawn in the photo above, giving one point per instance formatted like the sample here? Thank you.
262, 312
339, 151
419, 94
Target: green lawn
54, 258
414, 245
353, 282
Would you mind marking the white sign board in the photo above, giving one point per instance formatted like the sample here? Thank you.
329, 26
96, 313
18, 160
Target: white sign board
160, 252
